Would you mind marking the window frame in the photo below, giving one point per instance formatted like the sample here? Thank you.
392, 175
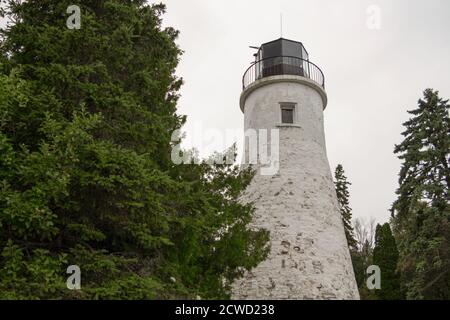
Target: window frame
288, 106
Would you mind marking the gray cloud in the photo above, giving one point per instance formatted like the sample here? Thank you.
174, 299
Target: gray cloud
372, 76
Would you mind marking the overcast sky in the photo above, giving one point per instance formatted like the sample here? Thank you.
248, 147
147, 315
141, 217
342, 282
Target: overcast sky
373, 75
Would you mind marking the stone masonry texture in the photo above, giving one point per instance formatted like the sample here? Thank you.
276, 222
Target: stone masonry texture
309, 257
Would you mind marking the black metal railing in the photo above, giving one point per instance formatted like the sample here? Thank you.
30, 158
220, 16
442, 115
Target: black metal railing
283, 65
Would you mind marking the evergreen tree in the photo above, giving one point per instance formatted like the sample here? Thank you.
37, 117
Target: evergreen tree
360, 262
362, 255
421, 213
86, 177
341, 185
385, 255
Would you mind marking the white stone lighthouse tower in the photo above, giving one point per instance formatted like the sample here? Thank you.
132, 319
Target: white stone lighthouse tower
284, 93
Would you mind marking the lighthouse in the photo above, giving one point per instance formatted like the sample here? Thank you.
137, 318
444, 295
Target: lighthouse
283, 101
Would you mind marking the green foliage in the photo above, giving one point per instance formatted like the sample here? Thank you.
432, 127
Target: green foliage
86, 118
343, 195
37, 276
385, 255
362, 256
421, 213
360, 261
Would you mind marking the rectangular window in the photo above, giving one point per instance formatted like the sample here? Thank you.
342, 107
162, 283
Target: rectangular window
287, 112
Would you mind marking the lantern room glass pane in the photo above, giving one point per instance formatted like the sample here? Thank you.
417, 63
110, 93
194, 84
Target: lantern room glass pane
272, 49
292, 49
282, 57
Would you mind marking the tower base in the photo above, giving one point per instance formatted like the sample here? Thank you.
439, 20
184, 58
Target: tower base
309, 257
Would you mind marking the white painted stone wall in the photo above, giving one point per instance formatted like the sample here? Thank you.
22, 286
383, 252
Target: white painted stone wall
309, 257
